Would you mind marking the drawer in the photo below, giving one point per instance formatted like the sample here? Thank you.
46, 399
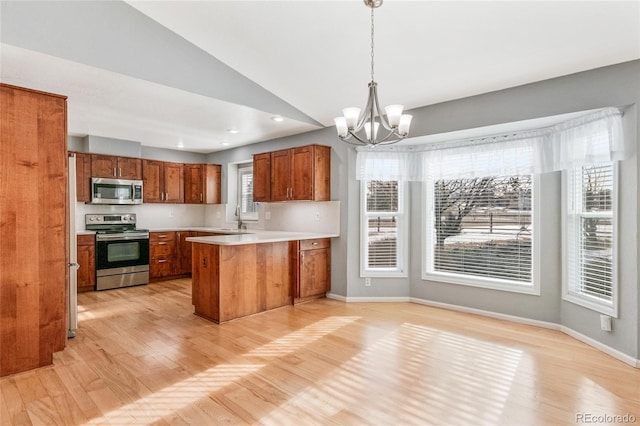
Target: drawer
317, 243
86, 240
162, 248
161, 236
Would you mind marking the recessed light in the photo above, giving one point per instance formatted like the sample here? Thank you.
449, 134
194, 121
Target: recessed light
225, 144
277, 118
233, 131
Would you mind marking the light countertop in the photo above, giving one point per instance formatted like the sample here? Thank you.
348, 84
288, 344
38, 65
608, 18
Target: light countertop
258, 237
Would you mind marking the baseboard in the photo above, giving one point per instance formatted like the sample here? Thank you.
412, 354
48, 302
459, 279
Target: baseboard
621, 356
505, 317
369, 299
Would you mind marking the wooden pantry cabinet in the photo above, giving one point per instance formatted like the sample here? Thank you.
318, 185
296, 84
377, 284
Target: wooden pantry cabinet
83, 177
202, 183
34, 231
302, 173
163, 182
108, 166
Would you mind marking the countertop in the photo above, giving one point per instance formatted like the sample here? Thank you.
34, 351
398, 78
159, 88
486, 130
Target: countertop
258, 237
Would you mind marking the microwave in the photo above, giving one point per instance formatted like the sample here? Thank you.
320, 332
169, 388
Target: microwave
116, 191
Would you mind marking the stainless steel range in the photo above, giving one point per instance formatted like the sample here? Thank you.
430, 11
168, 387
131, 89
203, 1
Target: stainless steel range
122, 250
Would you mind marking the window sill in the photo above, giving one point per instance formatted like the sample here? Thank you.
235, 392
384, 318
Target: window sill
491, 284
591, 303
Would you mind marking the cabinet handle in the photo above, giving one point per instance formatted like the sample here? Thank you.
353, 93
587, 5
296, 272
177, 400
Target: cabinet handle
162, 236
314, 244
162, 260
166, 196
120, 171
114, 172
162, 243
201, 197
204, 261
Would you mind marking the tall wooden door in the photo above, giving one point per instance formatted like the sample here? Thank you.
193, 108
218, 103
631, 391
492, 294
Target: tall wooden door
173, 183
193, 181
302, 173
153, 174
280, 175
33, 252
262, 177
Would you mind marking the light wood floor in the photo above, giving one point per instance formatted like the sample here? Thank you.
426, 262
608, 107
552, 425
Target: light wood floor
142, 357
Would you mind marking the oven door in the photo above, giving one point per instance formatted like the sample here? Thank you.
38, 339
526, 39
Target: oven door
121, 252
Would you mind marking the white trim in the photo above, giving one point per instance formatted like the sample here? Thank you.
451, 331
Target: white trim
615, 353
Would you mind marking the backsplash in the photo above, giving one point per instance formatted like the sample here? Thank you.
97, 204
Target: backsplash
303, 216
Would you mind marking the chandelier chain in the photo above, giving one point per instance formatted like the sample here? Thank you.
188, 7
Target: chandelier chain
372, 45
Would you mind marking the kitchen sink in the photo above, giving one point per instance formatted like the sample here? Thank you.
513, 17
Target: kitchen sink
233, 230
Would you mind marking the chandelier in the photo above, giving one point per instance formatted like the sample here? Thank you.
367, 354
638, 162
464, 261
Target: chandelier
353, 121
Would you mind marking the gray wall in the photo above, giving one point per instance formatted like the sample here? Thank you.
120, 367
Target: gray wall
617, 85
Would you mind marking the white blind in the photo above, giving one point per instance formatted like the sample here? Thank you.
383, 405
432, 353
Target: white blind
246, 191
590, 232
482, 227
382, 218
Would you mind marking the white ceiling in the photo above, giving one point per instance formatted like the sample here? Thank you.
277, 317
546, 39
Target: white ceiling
314, 55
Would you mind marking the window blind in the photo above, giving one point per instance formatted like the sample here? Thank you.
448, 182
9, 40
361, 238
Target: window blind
382, 217
590, 232
246, 191
482, 227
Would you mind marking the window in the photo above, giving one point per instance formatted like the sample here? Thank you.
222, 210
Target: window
589, 243
384, 229
480, 232
248, 209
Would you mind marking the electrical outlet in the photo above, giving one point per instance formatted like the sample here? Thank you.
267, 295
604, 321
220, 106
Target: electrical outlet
605, 323
367, 282
317, 215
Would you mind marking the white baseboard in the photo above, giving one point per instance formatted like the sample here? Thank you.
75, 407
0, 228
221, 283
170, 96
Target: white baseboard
368, 299
627, 359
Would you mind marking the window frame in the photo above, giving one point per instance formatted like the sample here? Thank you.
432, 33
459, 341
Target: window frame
402, 245
244, 169
428, 274
577, 298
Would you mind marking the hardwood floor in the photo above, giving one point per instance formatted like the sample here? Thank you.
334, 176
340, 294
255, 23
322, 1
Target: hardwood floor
142, 357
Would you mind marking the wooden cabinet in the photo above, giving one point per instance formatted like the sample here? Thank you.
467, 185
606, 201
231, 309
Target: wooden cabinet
163, 182
202, 183
83, 177
314, 268
34, 231
108, 166
162, 255
87, 262
302, 173
262, 177
184, 252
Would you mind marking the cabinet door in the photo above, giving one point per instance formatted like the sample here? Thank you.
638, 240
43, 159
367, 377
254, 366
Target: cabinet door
83, 177
153, 175
262, 177
193, 184
87, 262
173, 183
184, 252
302, 173
280, 175
212, 182
129, 168
105, 166
315, 272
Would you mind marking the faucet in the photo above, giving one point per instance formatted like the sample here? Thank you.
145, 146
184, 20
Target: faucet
241, 224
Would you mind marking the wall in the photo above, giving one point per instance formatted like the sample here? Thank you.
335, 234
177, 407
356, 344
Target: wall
617, 85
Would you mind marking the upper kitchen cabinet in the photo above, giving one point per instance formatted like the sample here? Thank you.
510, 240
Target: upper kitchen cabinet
107, 166
262, 177
302, 173
83, 177
163, 182
202, 183
34, 232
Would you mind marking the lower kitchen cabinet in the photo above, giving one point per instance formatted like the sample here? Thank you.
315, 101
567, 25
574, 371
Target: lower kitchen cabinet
183, 266
314, 269
87, 261
162, 255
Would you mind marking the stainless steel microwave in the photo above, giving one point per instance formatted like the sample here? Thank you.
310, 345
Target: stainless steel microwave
116, 191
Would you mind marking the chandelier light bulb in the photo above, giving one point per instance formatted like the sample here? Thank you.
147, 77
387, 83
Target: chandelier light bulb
351, 116
341, 126
367, 130
405, 123
393, 114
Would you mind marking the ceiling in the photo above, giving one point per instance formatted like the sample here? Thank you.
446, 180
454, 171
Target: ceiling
180, 75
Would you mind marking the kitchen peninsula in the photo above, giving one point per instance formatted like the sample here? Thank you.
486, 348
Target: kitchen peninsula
246, 273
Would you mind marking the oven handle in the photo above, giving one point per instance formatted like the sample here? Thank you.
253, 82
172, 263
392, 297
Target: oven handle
141, 236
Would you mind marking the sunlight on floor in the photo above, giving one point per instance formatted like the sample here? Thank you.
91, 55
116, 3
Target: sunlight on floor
172, 398
440, 370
